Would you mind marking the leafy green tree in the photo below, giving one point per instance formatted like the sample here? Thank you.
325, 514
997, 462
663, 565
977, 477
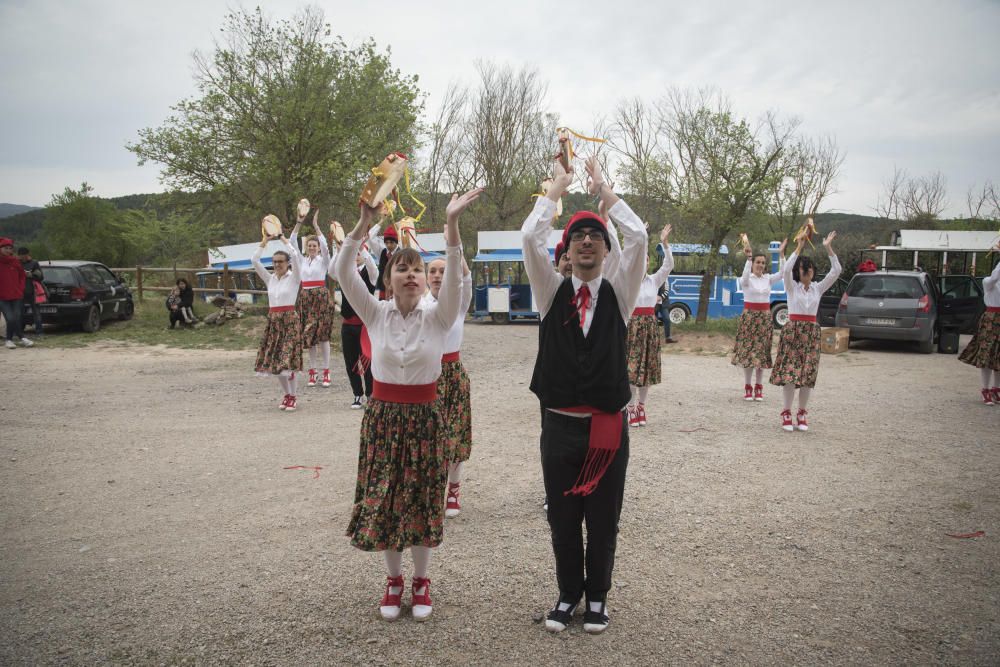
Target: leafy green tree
171, 240
81, 226
285, 110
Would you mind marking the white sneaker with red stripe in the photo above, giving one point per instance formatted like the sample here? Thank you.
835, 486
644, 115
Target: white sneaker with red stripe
453, 508
800, 420
326, 377
284, 403
290, 405
987, 397
747, 392
758, 392
786, 420
312, 378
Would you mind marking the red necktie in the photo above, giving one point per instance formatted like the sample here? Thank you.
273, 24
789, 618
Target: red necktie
581, 302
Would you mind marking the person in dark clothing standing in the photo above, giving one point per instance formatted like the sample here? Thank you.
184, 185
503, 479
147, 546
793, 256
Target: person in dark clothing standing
581, 380
351, 332
32, 274
387, 246
11, 293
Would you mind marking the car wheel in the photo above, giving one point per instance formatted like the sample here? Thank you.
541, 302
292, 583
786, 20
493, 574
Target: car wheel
677, 314
927, 346
93, 321
128, 310
500, 318
779, 315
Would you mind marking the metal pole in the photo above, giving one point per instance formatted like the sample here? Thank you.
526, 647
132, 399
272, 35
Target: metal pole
138, 280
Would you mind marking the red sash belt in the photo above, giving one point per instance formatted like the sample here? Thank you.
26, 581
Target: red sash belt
993, 309
280, 309
605, 440
313, 283
802, 318
451, 356
644, 311
405, 393
353, 319
747, 305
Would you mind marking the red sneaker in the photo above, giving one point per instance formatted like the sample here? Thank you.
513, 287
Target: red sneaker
290, 405
758, 392
640, 414
312, 378
391, 602
633, 418
422, 601
996, 395
800, 420
987, 397
284, 403
453, 507
326, 377
747, 392
786, 420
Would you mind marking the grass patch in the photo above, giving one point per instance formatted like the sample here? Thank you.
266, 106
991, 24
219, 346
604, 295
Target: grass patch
151, 326
723, 326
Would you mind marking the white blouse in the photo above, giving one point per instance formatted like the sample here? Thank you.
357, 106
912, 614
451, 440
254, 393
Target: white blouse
991, 288
313, 269
757, 289
367, 262
453, 341
802, 301
405, 350
651, 284
285, 290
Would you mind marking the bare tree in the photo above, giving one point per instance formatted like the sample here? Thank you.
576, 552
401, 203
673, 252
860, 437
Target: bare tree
810, 170
445, 140
890, 201
984, 204
925, 198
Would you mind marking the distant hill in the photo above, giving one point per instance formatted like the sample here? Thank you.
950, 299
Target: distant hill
7, 210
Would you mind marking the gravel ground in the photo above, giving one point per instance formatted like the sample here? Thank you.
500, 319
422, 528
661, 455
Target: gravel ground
148, 519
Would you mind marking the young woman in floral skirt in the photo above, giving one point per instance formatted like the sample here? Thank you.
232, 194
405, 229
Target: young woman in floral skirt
755, 332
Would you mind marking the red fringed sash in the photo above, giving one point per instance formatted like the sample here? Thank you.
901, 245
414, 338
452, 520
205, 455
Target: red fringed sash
605, 441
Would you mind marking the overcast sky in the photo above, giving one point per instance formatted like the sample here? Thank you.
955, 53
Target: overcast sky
912, 83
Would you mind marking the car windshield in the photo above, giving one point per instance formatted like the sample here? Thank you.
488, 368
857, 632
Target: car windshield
886, 287
62, 275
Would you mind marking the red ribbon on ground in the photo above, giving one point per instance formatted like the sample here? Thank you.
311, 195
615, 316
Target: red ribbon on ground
966, 536
315, 469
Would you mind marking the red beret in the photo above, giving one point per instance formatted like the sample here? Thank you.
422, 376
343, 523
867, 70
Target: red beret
390, 233
560, 250
586, 219
5, 241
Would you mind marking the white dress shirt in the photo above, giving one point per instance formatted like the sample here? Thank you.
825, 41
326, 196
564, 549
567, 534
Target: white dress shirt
651, 284
757, 289
991, 288
282, 291
453, 341
802, 301
625, 281
313, 268
405, 350
367, 262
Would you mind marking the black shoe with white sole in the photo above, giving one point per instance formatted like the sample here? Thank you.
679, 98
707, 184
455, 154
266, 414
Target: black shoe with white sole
595, 622
561, 615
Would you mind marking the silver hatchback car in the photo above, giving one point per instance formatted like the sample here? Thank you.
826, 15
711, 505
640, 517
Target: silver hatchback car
891, 305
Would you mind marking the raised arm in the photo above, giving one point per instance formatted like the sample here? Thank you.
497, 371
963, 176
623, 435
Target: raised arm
257, 266
667, 266
351, 284
450, 297
294, 255
466, 289
324, 248
775, 277
835, 268
534, 238
614, 259
991, 281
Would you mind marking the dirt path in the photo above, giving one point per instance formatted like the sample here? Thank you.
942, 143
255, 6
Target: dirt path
148, 518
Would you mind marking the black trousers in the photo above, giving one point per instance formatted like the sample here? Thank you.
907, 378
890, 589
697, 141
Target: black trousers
350, 343
581, 570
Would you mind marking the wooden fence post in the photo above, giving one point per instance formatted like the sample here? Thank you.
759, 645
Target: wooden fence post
225, 280
138, 280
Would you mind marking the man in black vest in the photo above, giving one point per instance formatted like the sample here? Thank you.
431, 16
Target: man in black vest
581, 380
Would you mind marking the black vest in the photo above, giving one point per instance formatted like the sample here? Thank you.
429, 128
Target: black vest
575, 370
383, 259
346, 309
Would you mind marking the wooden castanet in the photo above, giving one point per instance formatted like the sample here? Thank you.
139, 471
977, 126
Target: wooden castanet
384, 179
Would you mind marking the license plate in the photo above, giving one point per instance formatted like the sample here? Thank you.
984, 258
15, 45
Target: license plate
880, 322
47, 310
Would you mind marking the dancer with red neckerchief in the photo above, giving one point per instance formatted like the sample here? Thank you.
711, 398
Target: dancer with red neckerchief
581, 380
402, 463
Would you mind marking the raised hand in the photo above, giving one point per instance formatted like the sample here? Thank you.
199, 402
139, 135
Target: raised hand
460, 203
828, 241
595, 177
561, 179
781, 248
666, 233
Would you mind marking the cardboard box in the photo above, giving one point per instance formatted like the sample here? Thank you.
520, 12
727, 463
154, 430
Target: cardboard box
834, 340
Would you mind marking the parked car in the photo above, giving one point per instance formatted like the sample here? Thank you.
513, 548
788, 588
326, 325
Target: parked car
83, 293
961, 302
891, 305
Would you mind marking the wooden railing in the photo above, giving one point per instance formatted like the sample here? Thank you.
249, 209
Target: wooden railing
227, 285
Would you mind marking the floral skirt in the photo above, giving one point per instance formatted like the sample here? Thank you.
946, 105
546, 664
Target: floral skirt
455, 404
402, 473
983, 351
753, 340
280, 351
316, 314
797, 361
643, 350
